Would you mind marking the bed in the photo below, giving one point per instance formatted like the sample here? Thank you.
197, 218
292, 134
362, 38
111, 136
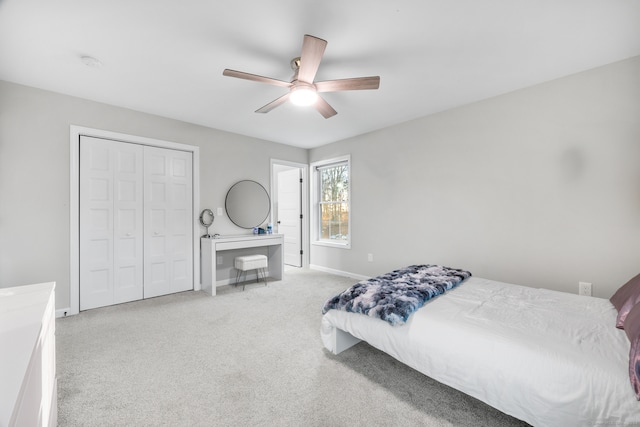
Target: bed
548, 358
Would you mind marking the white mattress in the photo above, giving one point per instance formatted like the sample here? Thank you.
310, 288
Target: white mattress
548, 358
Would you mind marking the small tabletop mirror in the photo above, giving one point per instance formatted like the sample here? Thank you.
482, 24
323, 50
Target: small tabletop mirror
247, 204
206, 219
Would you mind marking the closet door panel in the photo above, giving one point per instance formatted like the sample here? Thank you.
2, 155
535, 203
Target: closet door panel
181, 223
110, 222
168, 212
128, 227
96, 224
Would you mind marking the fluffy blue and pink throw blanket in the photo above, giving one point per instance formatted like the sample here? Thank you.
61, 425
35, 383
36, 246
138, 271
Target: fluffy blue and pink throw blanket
394, 296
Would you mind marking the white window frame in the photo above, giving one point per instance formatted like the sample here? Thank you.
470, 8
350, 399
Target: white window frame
315, 203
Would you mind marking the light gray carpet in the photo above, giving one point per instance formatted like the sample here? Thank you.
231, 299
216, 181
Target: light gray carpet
251, 358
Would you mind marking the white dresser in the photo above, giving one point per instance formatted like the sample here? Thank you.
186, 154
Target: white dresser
28, 385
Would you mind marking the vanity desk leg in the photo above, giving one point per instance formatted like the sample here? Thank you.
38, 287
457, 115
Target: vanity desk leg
208, 266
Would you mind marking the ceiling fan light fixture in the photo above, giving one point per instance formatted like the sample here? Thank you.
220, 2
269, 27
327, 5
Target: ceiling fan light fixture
303, 95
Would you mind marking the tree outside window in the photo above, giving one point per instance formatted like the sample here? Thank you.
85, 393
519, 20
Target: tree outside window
334, 202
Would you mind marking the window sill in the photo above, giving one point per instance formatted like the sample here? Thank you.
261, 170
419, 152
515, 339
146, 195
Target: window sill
331, 244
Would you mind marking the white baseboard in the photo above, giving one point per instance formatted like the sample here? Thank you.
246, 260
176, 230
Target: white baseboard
338, 272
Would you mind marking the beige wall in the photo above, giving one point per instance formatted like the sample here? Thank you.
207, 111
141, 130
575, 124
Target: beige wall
539, 187
34, 174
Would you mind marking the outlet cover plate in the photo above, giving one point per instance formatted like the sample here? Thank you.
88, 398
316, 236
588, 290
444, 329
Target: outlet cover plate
584, 288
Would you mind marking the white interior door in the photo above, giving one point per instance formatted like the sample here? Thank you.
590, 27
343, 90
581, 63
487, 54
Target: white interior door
290, 215
111, 252
168, 261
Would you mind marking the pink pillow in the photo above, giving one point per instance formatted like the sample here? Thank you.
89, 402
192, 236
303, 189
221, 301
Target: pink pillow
625, 298
632, 329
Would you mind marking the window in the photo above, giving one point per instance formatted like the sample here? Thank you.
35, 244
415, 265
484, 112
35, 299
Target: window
332, 195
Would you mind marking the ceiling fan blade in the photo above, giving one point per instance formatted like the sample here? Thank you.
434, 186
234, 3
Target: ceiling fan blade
358, 83
255, 78
312, 51
324, 108
273, 104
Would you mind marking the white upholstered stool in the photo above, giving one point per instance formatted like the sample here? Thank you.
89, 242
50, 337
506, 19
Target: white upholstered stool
251, 262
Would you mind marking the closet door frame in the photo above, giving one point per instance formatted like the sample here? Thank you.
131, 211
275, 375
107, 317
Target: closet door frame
75, 132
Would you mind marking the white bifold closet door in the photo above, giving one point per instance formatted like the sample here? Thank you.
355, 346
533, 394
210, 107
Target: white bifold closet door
111, 222
135, 222
168, 236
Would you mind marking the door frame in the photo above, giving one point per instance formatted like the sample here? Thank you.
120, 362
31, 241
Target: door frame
305, 202
75, 132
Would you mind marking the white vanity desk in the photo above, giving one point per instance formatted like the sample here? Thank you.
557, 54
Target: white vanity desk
212, 248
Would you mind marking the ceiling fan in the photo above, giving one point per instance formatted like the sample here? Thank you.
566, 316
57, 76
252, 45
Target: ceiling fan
302, 89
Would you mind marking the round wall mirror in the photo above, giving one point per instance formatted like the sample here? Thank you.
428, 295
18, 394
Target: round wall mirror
247, 204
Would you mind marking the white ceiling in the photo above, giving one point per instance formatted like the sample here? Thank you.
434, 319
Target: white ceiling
166, 57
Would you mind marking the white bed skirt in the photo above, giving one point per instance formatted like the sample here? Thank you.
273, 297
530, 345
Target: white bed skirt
548, 358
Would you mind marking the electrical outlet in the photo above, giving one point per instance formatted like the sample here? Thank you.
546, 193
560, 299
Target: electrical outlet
370, 257
584, 288
219, 211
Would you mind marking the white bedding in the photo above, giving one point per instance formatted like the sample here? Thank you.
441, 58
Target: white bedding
548, 358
